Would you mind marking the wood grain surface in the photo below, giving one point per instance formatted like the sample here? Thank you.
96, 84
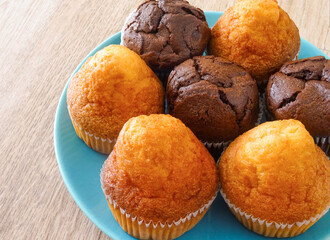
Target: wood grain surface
41, 43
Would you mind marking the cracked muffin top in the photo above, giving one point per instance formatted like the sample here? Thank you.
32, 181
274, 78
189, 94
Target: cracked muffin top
215, 98
159, 170
301, 90
275, 172
256, 34
165, 33
110, 88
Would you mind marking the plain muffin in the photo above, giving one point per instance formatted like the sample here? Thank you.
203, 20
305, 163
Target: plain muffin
215, 98
158, 174
301, 90
110, 88
256, 34
275, 179
166, 32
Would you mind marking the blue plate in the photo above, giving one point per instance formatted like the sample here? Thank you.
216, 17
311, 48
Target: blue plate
80, 168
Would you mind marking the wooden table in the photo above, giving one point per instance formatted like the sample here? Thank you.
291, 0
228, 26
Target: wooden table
41, 43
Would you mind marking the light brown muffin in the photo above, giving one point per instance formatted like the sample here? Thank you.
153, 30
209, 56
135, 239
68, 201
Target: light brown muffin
256, 34
277, 174
110, 88
158, 173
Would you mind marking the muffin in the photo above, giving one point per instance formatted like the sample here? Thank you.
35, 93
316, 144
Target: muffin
256, 34
301, 90
159, 180
165, 33
275, 180
215, 98
110, 88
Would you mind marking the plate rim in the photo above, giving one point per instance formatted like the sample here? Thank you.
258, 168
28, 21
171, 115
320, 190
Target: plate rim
60, 104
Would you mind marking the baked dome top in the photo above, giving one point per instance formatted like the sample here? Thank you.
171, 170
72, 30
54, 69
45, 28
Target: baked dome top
301, 90
215, 98
110, 88
256, 34
159, 170
276, 172
166, 32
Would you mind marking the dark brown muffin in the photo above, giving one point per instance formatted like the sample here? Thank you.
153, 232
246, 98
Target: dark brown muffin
165, 33
301, 90
215, 98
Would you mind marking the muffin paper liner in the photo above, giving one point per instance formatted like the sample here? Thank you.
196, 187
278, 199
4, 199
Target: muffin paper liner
271, 229
97, 143
261, 110
142, 229
323, 143
217, 145
182, 220
296, 57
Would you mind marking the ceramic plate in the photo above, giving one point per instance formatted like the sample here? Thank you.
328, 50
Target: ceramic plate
80, 168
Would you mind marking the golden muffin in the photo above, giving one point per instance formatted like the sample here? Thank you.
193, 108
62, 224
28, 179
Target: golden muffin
256, 34
159, 180
275, 179
110, 88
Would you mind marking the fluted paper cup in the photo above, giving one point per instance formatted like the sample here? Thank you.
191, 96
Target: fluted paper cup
323, 143
103, 145
142, 229
269, 228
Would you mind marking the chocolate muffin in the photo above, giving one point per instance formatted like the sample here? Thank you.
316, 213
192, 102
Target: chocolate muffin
215, 98
165, 33
301, 90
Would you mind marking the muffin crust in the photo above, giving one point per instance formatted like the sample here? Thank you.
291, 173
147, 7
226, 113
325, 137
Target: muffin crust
110, 88
301, 90
159, 170
276, 172
256, 34
165, 33
215, 98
